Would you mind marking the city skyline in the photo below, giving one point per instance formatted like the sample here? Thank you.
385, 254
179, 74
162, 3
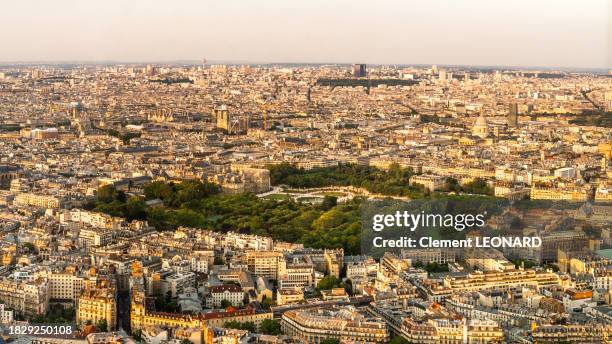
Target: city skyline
550, 34
207, 204
305, 172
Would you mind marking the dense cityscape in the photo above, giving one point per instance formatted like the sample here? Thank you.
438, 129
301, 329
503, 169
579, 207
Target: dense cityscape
221, 203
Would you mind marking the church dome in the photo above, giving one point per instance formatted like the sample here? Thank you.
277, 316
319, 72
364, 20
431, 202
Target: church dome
481, 121
480, 128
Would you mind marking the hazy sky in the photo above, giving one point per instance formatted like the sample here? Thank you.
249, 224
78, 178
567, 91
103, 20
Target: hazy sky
561, 33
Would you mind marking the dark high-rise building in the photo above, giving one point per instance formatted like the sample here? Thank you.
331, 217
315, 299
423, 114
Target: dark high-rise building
359, 70
513, 115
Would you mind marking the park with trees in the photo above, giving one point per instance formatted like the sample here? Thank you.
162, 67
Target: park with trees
329, 224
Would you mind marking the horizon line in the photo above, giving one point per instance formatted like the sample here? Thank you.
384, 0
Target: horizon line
252, 62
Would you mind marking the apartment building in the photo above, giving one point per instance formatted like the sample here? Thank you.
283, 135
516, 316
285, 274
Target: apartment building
299, 274
288, 295
573, 333
141, 316
502, 280
268, 264
430, 182
452, 331
539, 191
226, 292
25, 298
90, 237
428, 255
41, 201
6, 315
97, 303
65, 286
318, 325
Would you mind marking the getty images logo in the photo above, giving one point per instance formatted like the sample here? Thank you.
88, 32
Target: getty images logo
412, 221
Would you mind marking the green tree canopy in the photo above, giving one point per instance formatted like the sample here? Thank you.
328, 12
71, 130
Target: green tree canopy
328, 282
249, 326
102, 325
330, 341
271, 327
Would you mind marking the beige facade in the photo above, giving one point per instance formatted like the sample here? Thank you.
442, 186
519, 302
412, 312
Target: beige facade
268, 264
42, 201
287, 296
430, 182
316, 326
96, 304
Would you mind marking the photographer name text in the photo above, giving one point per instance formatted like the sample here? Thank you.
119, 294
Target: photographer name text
471, 242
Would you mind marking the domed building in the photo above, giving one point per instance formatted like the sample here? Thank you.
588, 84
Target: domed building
481, 127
